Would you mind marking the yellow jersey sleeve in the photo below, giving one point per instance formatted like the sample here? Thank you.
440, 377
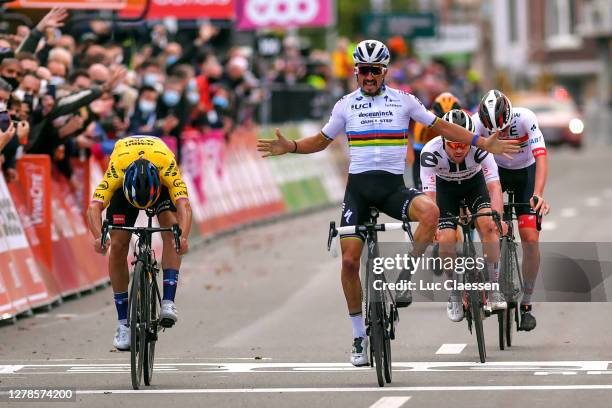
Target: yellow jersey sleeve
171, 178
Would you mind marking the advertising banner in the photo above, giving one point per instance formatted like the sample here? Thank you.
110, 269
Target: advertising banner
255, 14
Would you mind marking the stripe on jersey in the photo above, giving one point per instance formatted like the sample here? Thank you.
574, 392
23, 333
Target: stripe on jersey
394, 137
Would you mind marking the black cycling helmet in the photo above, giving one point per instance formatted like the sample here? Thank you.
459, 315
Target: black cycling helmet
495, 111
445, 102
141, 184
460, 118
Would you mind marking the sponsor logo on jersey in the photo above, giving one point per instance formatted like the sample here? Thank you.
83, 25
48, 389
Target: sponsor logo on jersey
119, 219
103, 185
376, 114
358, 106
347, 215
178, 183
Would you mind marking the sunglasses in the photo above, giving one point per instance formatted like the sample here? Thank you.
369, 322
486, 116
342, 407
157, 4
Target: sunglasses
367, 69
455, 145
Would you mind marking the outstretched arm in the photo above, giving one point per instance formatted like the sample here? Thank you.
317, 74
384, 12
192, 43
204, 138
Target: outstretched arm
459, 134
281, 145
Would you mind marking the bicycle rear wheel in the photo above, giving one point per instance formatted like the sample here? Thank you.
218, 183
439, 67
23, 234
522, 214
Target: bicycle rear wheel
501, 321
377, 340
137, 334
149, 357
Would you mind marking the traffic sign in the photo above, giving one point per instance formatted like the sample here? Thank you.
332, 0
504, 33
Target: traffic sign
409, 25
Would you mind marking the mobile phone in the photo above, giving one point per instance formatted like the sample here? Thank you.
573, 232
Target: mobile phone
5, 120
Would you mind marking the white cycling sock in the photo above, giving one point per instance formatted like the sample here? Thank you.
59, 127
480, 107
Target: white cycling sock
358, 325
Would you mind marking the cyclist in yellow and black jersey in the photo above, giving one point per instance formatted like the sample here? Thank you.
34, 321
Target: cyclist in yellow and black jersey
142, 173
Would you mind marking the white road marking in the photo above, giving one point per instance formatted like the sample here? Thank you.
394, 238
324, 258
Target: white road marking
549, 226
295, 367
390, 402
450, 348
556, 373
593, 202
486, 388
568, 212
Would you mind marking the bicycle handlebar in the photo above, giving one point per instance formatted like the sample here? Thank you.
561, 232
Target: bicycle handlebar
140, 231
352, 229
471, 218
535, 203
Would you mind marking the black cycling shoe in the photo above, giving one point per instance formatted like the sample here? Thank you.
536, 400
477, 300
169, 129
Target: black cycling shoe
403, 298
528, 322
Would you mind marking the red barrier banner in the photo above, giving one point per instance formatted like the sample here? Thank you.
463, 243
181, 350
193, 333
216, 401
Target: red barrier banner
7, 310
41, 287
91, 265
12, 237
35, 177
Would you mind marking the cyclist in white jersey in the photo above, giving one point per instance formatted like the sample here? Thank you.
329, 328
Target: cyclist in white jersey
453, 172
375, 119
525, 174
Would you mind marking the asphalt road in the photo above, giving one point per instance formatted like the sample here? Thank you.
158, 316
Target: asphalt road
263, 323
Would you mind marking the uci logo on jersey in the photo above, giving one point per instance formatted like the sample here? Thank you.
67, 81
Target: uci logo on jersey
358, 106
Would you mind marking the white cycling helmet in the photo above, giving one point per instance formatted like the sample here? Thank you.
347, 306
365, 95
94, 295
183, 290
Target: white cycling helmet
495, 110
371, 52
460, 118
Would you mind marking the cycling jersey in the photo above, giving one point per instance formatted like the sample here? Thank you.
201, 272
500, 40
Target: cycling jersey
129, 149
435, 162
376, 128
524, 128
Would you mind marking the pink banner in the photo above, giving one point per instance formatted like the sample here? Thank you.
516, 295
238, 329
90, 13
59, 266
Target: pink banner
254, 14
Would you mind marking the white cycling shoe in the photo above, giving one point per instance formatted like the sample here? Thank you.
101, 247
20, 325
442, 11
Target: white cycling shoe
454, 309
122, 338
496, 300
167, 314
359, 355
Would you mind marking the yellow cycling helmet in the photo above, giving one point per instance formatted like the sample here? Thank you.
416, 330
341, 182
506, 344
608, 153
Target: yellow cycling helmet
445, 102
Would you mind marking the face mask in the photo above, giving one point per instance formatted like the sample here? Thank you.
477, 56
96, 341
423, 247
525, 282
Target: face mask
149, 79
220, 102
193, 97
2, 106
171, 59
193, 85
171, 98
13, 82
19, 94
146, 106
57, 80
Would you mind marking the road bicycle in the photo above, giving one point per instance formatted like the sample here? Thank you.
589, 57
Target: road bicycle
474, 301
144, 299
510, 277
381, 312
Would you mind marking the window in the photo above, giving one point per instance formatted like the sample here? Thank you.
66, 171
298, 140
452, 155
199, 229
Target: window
513, 20
561, 24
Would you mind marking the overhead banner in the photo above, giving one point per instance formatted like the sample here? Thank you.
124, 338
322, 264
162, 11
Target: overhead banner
71, 4
183, 9
255, 14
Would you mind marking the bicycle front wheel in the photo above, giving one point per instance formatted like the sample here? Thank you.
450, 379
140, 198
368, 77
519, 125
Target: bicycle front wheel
149, 357
387, 345
137, 334
377, 340
477, 316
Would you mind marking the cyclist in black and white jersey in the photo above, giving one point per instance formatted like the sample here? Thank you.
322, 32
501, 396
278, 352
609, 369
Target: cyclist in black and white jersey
452, 172
525, 174
376, 119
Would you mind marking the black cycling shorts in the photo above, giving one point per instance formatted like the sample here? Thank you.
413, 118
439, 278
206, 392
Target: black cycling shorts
522, 182
121, 212
383, 190
449, 195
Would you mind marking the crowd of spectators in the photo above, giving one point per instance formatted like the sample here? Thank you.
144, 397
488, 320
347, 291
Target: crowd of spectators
71, 90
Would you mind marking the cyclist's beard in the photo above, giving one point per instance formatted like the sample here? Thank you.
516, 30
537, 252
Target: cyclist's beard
368, 85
